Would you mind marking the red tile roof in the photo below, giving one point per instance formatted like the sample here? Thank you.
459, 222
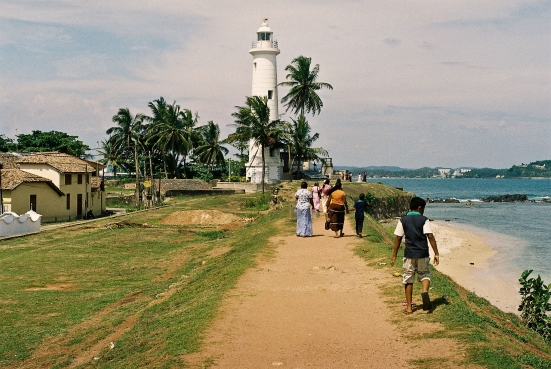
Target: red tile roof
11, 178
63, 163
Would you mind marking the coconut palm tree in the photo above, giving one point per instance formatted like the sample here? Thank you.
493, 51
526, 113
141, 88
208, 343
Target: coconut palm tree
211, 151
303, 97
253, 122
300, 142
190, 120
126, 135
111, 156
241, 145
168, 131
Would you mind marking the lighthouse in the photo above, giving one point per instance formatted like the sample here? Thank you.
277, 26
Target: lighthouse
264, 51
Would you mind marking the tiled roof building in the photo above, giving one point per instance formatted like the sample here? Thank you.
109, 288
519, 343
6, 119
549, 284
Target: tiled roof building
58, 186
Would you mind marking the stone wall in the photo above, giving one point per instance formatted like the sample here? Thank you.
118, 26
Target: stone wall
182, 185
390, 207
245, 186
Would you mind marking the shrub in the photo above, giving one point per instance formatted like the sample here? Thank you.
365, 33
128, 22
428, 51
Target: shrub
534, 306
261, 202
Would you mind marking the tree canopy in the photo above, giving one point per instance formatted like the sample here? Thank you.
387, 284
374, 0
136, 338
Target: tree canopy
300, 141
39, 141
252, 121
303, 97
6, 144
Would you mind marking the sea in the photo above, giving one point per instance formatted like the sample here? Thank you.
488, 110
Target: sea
519, 232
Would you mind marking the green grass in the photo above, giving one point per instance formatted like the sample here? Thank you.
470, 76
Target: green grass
62, 291
159, 287
493, 339
117, 191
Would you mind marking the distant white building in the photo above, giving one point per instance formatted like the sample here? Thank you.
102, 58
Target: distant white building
460, 172
264, 51
444, 172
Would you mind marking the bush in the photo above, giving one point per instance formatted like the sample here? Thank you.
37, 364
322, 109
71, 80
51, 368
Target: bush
261, 202
535, 304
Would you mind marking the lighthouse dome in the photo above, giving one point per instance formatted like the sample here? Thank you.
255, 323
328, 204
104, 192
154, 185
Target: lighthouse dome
264, 28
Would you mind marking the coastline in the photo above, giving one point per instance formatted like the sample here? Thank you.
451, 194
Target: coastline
465, 257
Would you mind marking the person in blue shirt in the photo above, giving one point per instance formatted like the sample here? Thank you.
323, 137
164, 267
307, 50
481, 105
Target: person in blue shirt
360, 206
418, 234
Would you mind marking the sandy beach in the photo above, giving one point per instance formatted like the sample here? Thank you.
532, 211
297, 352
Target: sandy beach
465, 256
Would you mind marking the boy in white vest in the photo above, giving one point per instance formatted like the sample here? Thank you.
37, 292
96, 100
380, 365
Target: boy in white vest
418, 232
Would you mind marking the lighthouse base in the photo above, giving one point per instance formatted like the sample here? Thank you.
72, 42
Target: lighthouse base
273, 173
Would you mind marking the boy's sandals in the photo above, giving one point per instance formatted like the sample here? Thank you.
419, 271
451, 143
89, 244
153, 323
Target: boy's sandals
407, 312
426, 301
405, 303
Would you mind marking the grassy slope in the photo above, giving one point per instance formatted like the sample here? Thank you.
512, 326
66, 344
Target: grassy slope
63, 291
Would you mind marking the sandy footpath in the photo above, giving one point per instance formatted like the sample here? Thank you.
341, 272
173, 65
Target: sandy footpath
464, 257
316, 304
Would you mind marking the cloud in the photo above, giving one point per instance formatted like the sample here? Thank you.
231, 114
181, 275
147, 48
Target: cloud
450, 75
392, 41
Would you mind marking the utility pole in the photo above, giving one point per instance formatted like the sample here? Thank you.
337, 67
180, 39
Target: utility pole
152, 187
138, 194
1, 199
86, 187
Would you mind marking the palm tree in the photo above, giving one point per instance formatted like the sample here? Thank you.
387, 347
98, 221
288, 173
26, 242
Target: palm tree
253, 123
168, 131
211, 151
126, 136
240, 144
300, 142
192, 135
111, 156
303, 98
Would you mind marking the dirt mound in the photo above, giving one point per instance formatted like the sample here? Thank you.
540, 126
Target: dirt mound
200, 217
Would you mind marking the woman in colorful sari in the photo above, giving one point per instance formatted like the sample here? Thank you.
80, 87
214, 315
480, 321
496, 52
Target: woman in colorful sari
325, 188
304, 220
337, 208
316, 196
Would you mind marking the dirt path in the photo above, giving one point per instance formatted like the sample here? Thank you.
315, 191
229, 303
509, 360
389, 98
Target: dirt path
315, 305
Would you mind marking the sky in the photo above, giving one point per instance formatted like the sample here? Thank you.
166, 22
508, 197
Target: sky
459, 83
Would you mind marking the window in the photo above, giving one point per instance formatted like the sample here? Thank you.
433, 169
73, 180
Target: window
32, 204
254, 65
68, 201
68, 178
264, 36
270, 94
79, 179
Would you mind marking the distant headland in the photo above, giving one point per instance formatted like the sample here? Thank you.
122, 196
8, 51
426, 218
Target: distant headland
538, 169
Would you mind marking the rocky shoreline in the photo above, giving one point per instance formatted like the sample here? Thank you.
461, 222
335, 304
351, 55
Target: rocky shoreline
499, 198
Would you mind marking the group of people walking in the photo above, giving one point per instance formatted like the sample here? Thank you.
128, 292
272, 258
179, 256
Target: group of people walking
346, 175
331, 201
414, 227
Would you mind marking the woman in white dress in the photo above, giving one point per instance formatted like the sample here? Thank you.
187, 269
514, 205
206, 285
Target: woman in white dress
304, 219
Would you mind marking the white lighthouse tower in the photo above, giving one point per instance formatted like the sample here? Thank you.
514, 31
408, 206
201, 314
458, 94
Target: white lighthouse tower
264, 51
